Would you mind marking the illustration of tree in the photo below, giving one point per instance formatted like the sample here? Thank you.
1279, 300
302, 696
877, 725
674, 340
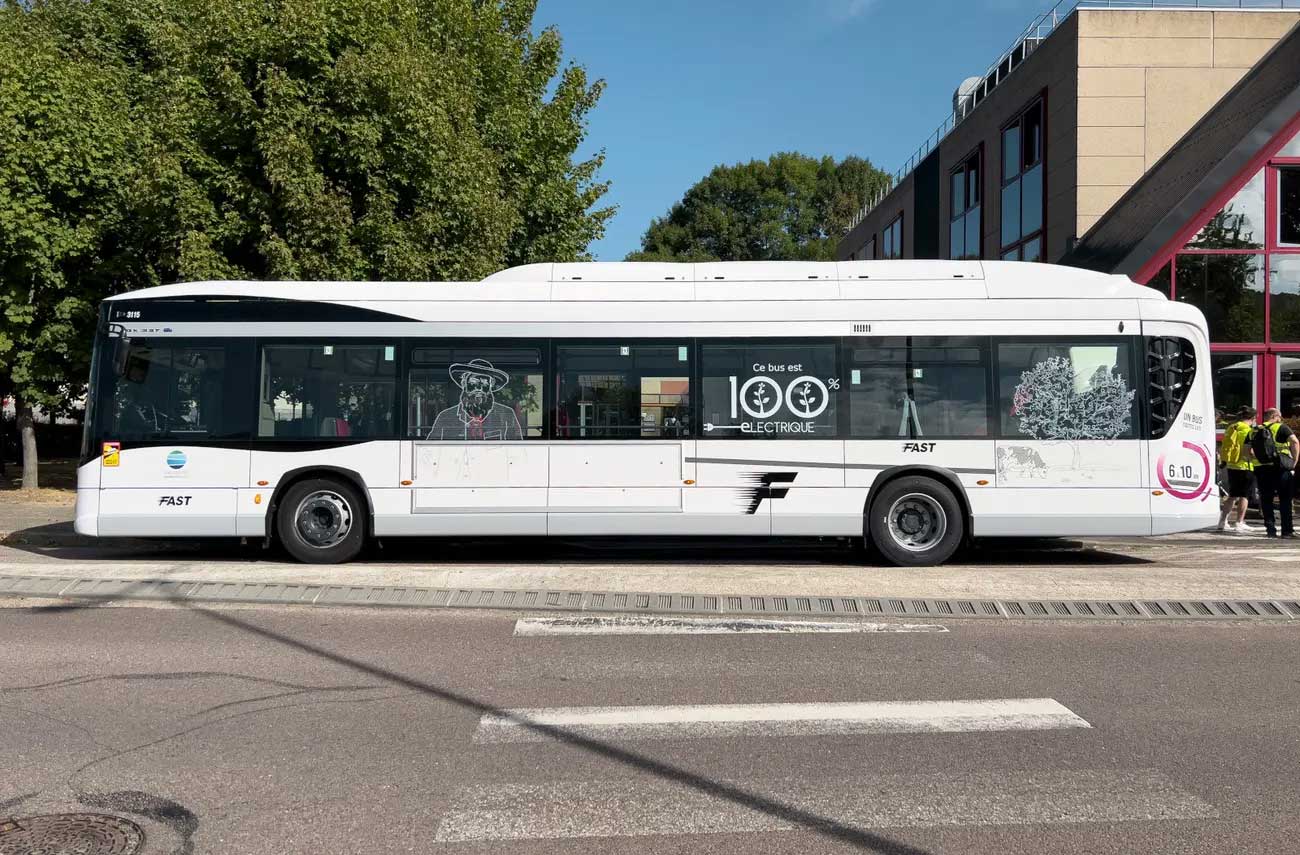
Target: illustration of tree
1051, 407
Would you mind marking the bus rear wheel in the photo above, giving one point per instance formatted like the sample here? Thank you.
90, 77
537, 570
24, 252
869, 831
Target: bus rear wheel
916, 522
322, 521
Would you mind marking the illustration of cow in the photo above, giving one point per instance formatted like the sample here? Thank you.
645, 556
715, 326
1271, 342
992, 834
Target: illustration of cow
1021, 461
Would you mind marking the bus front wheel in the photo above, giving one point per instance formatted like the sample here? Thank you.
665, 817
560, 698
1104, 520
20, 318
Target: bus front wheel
916, 522
322, 521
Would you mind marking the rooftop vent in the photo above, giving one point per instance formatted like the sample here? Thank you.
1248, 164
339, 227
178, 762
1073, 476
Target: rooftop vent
963, 100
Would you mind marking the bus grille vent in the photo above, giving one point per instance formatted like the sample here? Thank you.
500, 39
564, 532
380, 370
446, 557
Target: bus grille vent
1171, 368
861, 328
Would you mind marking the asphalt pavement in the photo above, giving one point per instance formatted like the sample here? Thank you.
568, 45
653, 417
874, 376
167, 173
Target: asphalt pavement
305, 730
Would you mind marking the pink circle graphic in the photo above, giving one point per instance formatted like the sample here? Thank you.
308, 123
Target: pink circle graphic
1203, 491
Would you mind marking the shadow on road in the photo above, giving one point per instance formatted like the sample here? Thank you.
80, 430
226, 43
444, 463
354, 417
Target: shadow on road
858, 838
61, 542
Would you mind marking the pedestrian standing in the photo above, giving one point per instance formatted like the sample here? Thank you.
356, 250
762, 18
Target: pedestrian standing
1236, 453
1276, 449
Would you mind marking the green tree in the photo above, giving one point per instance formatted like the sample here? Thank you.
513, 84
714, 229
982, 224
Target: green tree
788, 207
151, 141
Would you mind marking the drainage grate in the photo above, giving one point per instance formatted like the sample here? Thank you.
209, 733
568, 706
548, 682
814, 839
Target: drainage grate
665, 603
60, 833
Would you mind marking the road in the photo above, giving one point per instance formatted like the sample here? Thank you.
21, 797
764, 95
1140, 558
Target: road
276, 730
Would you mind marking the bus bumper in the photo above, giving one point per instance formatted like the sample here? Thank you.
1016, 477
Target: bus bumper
87, 519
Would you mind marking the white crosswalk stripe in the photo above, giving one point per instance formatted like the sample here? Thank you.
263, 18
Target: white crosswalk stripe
646, 807
649, 625
772, 720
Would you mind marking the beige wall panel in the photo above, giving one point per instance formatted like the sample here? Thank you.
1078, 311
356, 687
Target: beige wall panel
1112, 112
1086, 221
1240, 53
1111, 142
1251, 25
1177, 99
1112, 82
1174, 53
1098, 199
1123, 171
1148, 24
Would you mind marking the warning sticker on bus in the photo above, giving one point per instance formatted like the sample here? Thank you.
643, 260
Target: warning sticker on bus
112, 453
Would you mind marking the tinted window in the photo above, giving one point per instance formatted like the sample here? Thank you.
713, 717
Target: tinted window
769, 390
461, 391
328, 390
170, 390
913, 387
1064, 389
1229, 289
622, 391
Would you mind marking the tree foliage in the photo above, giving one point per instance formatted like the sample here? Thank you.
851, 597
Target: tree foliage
150, 141
788, 207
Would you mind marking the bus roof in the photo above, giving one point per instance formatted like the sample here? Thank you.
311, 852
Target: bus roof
722, 280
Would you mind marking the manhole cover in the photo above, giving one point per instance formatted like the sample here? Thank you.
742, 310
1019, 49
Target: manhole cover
69, 834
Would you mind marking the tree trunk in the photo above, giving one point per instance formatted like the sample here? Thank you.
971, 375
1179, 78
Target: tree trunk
27, 430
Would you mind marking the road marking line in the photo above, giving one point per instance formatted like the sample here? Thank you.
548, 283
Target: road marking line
770, 720
641, 807
649, 625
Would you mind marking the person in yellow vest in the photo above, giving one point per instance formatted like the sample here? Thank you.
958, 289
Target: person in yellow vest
1236, 454
1276, 450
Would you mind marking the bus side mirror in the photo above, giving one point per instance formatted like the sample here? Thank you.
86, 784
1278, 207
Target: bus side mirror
121, 351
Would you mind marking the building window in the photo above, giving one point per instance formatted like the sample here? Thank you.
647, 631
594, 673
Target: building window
462, 391
964, 224
328, 390
622, 391
1228, 288
1239, 224
1288, 206
1233, 381
1022, 186
770, 390
891, 239
868, 251
918, 387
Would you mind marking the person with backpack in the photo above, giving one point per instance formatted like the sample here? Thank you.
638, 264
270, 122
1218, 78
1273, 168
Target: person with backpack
1276, 449
1235, 450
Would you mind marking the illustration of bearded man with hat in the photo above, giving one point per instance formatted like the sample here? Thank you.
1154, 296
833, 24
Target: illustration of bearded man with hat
478, 415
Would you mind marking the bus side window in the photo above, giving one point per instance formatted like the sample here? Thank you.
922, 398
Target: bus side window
328, 390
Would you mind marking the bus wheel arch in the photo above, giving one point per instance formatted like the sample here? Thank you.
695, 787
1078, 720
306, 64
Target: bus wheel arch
919, 480
321, 477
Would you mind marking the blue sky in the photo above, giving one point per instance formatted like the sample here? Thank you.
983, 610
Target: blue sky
695, 83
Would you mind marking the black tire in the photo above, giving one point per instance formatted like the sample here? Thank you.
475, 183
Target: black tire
322, 521
923, 508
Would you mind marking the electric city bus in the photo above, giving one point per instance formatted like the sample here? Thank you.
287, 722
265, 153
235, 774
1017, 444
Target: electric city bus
914, 404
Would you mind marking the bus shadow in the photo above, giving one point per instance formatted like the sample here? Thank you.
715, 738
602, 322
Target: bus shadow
58, 541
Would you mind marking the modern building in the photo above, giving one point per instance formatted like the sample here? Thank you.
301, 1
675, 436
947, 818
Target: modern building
1158, 140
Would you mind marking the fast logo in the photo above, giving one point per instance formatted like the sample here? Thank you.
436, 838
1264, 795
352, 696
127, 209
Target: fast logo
919, 447
174, 501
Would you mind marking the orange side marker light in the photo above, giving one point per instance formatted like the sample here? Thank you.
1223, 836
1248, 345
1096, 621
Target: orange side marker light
257, 500
262, 483
1157, 492
406, 482
982, 483
689, 481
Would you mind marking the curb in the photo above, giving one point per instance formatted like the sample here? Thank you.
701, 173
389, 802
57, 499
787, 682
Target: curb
164, 590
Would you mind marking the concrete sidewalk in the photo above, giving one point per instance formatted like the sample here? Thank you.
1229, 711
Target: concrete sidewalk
1185, 567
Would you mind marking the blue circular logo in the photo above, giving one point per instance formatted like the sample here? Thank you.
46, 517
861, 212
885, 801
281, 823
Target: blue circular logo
176, 459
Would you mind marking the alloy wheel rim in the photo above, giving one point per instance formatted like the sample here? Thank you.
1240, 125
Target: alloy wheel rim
917, 522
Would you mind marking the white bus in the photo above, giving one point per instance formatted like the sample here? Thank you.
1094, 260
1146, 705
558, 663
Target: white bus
916, 404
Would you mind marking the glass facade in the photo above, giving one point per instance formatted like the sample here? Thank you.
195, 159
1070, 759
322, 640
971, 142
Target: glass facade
1242, 269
